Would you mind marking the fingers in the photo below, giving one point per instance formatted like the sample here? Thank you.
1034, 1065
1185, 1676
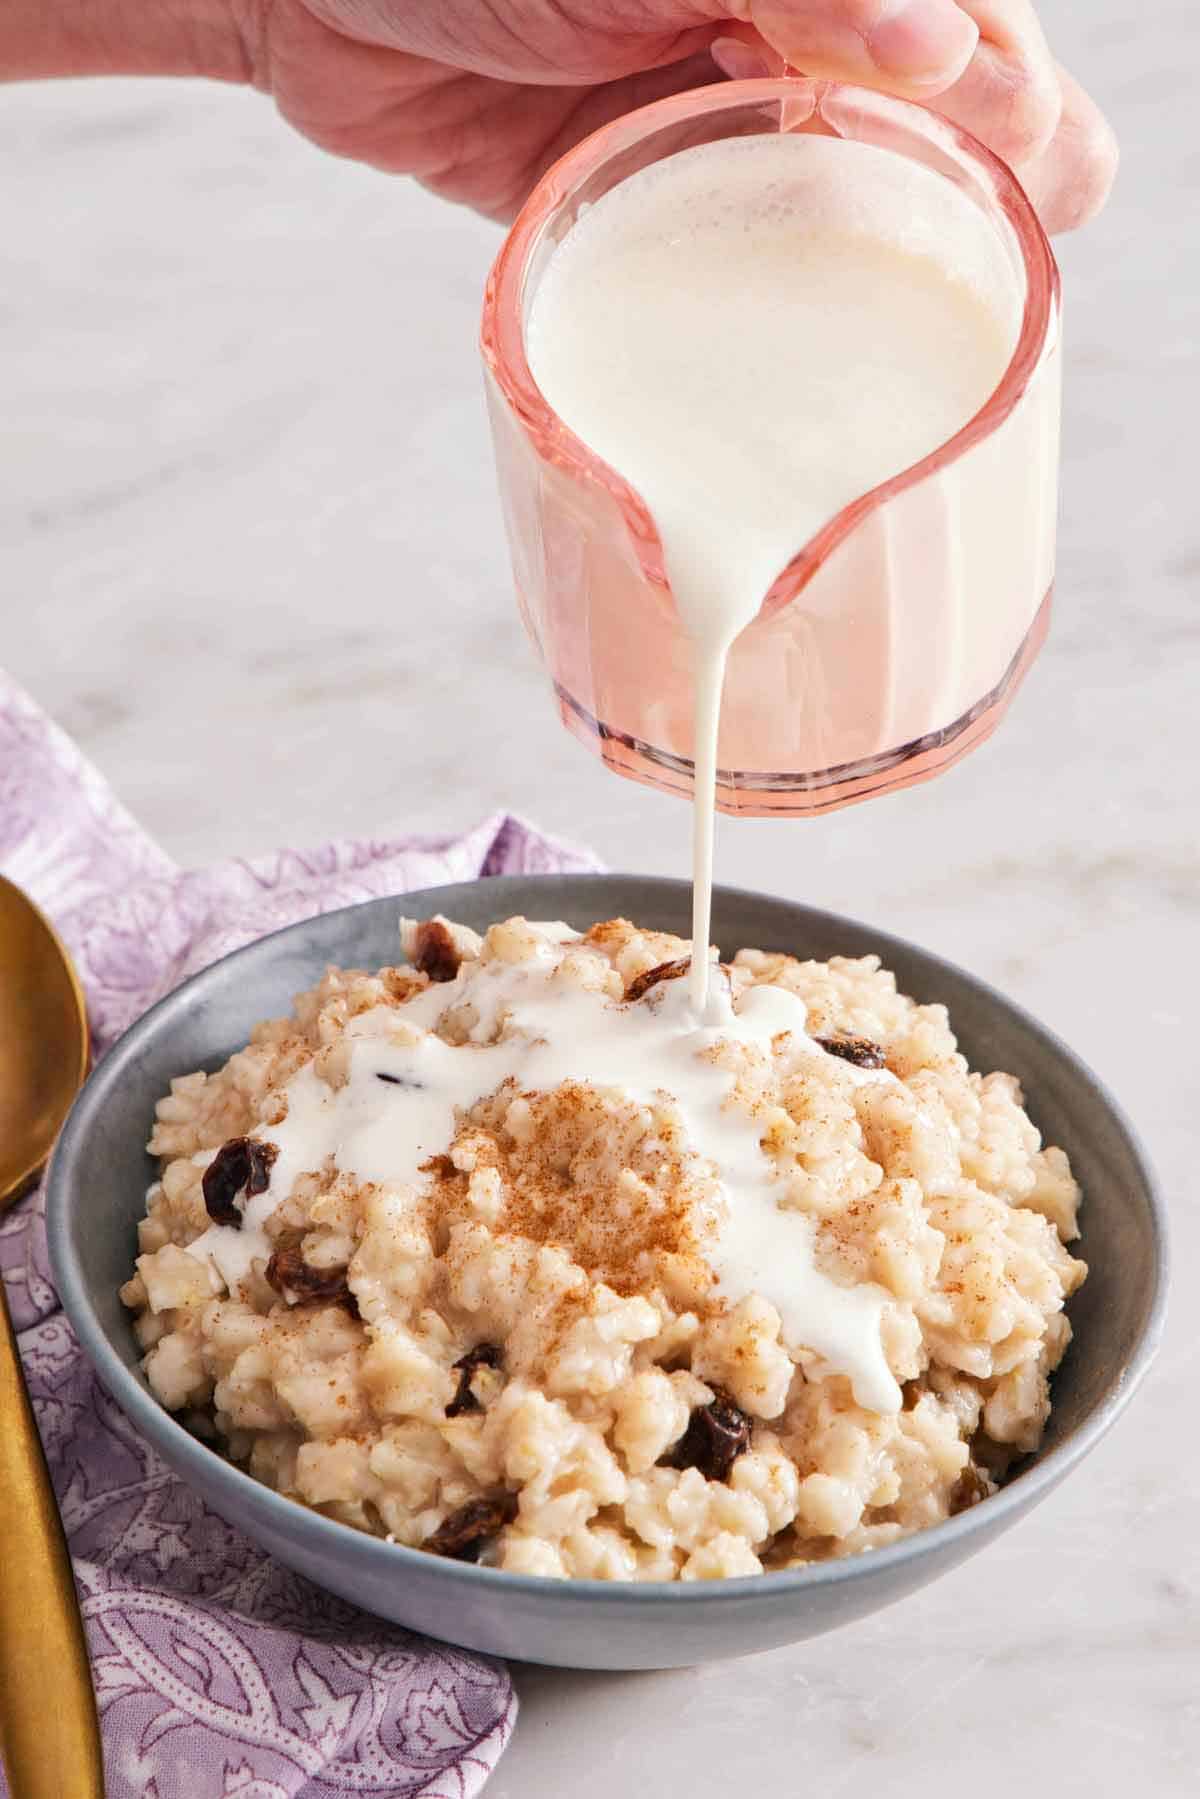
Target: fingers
1010, 97
1018, 101
986, 61
910, 47
1007, 90
1070, 181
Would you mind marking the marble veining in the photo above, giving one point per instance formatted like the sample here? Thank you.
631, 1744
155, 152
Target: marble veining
253, 560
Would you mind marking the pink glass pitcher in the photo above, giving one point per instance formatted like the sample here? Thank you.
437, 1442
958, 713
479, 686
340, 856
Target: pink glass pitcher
864, 670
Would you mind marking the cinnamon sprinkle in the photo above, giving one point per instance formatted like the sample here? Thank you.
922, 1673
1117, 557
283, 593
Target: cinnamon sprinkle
563, 1188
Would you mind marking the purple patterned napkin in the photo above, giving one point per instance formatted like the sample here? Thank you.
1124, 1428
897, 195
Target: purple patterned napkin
219, 1674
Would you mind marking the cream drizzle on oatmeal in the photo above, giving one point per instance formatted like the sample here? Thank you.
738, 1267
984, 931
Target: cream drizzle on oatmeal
406, 1090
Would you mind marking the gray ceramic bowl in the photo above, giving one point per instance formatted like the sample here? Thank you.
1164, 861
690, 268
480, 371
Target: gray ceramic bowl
97, 1192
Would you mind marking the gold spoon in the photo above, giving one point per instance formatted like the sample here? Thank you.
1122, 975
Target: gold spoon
49, 1734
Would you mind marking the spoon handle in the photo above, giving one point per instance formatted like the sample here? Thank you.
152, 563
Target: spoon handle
49, 1734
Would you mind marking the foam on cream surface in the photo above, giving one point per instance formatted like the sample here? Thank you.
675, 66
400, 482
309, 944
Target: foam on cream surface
753, 333
383, 1129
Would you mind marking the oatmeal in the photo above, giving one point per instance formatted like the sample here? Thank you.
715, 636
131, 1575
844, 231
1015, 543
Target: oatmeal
506, 1254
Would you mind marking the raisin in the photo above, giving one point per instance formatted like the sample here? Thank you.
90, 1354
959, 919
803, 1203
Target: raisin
436, 953
971, 1486
440, 1167
860, 1050
484, 1355
243, 1162
288, 1272
715, 1437
463, 1534
665, 971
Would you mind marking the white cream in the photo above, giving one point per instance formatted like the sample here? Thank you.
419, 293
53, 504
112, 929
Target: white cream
754, 333
382, 1130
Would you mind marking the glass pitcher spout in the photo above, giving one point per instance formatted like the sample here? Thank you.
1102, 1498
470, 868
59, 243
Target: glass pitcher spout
891, 644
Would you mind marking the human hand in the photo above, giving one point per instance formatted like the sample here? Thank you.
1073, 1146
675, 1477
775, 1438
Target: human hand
477, 99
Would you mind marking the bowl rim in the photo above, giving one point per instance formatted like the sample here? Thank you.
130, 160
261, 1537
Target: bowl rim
325, 1537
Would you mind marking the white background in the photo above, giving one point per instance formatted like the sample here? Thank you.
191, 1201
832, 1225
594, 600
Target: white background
251, 556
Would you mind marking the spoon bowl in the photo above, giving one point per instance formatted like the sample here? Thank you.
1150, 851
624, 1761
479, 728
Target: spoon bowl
43, 1040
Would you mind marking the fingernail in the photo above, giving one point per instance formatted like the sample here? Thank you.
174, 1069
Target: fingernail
741, 62
927, 43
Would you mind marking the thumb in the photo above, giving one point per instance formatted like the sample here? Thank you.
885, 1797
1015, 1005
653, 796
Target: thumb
916, 47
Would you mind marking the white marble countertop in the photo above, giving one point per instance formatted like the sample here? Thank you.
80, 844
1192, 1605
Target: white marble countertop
252, 559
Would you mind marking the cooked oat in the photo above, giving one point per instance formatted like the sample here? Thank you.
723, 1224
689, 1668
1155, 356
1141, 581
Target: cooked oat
522, 1353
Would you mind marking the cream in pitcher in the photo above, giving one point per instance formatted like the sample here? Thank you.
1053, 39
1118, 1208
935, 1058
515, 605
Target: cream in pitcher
754, 332
773, 382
